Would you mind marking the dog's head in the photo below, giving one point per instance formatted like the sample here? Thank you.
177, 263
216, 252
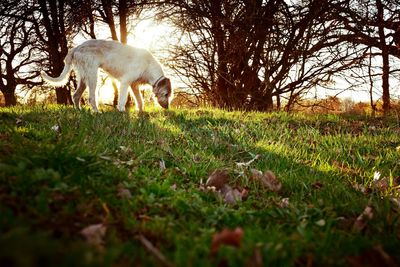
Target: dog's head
162, 90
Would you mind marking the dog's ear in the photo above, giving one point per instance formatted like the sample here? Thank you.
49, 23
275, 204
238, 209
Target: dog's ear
165, 82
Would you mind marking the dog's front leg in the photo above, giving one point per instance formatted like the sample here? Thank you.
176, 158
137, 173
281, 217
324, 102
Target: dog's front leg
122, 96
138, 97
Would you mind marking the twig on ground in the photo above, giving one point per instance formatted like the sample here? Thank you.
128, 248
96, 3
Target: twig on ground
153, 250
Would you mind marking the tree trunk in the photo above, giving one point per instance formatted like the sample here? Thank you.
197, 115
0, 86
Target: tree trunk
63, 95
278, 102
51, 23
123, 11
9, 97
385, 59
269, 103
109, 18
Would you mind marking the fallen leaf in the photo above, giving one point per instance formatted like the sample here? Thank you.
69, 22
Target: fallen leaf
231, 196
284, 203
162, 165
56, 128
395, 202
226, 237
94, 234
256, 174
375, 257
123, 148
305, 260
317, 185
270, 181
362, 220
361, 188
256, 259
381, 184
320, 222
244, 193
173, 187
396, 181
218, 179
123, 192
344, 169
18, 121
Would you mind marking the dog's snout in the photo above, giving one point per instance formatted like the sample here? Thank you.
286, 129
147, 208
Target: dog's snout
165, 105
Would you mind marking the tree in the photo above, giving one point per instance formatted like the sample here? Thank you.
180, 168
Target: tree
373, 24
54, 32
242, 53
18, 55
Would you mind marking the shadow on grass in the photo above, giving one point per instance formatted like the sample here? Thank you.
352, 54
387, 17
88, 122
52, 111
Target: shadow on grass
61, 182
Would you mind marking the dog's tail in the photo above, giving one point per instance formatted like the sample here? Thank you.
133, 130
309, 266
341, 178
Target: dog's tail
63, 78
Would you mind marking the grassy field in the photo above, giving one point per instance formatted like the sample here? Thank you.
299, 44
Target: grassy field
118, 189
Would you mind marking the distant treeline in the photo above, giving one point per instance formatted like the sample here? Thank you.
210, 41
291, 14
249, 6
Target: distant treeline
233, 54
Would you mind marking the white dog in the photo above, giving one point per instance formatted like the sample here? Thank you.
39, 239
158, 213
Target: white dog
131, 66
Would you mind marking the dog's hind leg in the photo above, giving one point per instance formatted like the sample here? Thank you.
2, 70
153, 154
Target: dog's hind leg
122, 96
138, 97
92, 83
78, 94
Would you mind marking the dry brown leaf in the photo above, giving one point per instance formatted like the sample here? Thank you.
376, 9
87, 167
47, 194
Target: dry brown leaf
345, 169
227, 237
256, 259
162, 165
362, 220
94, 234
375, 257
244, 193
218, 179
317, 185
284, 203
18, 121
361, 188
395, 202
256, 174
305, 260
382, 184
123, 192
232, 197
270, 181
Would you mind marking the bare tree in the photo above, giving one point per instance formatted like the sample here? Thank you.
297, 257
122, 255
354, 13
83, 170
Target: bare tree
18, 55
241, 54
54, 31
374, 24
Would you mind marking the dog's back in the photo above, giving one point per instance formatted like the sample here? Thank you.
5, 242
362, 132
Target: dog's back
113, 57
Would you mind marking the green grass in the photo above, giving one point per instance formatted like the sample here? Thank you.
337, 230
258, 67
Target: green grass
55, 183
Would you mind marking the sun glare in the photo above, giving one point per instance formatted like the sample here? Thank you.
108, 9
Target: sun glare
146, 35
